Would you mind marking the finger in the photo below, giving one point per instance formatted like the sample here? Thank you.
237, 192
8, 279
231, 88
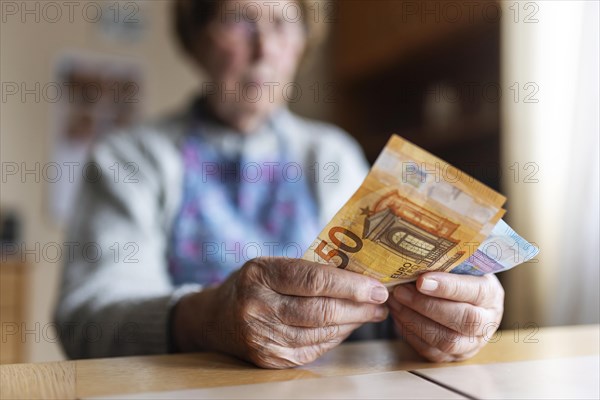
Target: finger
464, 318
276, 355
429, 352
425, 350
297, 337
310, 353
324, 311
298, 277
483, 291
444, 339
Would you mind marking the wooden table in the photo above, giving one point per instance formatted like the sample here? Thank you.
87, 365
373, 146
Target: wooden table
112, 376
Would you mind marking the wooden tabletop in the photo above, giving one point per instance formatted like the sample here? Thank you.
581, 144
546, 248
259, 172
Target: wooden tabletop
113, 376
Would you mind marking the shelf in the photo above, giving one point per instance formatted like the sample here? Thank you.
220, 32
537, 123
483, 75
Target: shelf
371, 36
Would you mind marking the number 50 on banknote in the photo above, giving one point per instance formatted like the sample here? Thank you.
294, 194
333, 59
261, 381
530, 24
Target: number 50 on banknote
415, 213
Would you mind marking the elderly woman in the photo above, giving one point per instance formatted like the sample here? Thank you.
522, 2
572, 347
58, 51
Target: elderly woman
200, 243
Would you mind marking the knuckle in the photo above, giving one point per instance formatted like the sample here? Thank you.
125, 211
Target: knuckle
471, 319
263, 357
483, 293
429, 307
316, 280
253, 338
252, 271
433, 354
328, 309
334, 333
285, 310
305, 355
436, 356
448, 341
264, 353
246, 311
453, 290
285, 273
254, 343
277, 357
252, 306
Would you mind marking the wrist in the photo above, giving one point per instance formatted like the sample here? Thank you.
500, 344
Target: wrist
189, 316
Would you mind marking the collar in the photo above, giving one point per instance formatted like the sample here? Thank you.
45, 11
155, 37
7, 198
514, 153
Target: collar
263, 144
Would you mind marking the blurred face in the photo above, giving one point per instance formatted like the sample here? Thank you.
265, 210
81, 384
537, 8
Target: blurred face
250, 51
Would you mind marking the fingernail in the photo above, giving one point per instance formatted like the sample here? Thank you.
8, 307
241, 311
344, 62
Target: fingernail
403, 294
429, 285
379, 294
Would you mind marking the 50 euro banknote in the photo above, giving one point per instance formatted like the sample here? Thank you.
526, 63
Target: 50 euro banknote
415, 213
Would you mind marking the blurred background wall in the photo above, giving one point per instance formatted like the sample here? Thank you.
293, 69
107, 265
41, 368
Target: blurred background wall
31, 46
506, 91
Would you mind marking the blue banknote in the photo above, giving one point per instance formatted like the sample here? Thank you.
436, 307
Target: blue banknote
503, 249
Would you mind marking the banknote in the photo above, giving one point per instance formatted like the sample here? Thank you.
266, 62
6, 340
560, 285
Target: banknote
502, 250
413, 213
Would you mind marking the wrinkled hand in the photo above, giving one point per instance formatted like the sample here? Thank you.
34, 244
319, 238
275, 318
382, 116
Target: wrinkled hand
448, 317
279, 313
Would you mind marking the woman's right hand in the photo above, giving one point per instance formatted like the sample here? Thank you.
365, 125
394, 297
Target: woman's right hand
278, 312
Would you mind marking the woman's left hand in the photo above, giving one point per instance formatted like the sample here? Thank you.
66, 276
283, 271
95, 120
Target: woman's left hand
448, 317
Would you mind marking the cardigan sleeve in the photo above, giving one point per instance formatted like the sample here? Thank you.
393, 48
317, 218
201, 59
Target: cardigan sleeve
116, 294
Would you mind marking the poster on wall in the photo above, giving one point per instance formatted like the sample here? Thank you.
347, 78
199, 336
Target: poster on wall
99, 94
